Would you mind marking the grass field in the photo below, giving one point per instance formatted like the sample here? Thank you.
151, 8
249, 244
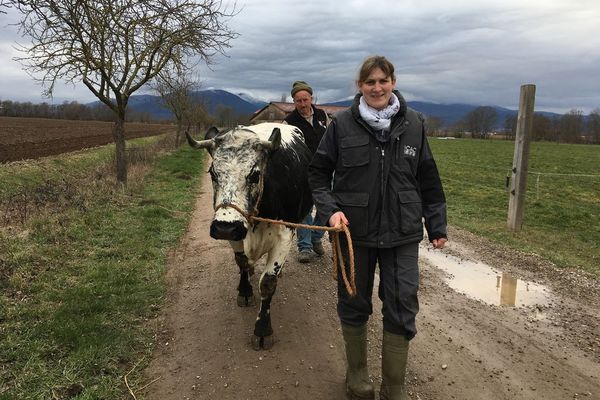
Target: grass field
81, 275
562, 205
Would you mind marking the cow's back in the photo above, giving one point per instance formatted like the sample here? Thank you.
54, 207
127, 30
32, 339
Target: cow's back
286, 194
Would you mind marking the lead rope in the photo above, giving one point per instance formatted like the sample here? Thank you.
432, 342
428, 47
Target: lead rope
336, 247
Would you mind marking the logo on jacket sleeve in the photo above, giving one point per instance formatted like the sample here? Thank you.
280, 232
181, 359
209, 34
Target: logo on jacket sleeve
410, 151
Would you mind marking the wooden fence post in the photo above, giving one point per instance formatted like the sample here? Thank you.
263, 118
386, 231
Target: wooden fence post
518, 185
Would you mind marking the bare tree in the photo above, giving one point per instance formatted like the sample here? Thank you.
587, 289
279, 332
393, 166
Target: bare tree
117, 46
594, 125
4, 4
225, 116
481, 120
434, 125
510, 126
542, 127
176, 88
571, 127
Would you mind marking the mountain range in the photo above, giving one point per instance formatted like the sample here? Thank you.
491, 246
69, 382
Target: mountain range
213, 99
243, 104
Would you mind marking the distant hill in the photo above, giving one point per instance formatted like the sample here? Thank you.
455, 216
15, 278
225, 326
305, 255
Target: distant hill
244, 104
240, 103
153, 105
212, 98
452, 113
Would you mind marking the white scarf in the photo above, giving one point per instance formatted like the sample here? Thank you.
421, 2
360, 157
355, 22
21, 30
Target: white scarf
379, 119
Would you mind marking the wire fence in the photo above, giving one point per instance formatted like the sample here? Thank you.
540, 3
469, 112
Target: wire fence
504, 169
535, 184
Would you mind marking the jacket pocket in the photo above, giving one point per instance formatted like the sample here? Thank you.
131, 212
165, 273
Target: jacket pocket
355, 151
355, 207
411, 211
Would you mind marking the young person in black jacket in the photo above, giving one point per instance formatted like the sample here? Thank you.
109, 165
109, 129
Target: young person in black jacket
385, 183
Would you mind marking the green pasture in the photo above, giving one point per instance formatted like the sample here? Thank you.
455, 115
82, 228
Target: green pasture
562, 204
82, 276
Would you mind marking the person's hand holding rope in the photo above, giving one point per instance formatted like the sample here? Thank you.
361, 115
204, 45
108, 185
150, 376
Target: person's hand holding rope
338, 218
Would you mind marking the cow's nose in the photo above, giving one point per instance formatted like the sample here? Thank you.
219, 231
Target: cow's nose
225, 230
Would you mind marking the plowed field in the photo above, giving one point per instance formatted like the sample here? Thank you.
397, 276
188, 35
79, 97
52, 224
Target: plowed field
26, 138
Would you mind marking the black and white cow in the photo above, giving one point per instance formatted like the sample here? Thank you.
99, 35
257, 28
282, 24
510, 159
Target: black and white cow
258, 170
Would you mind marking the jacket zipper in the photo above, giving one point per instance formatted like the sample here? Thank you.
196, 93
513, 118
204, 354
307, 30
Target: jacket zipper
382, 188
381, 164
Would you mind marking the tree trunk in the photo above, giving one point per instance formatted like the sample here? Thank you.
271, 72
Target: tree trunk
178, 135
120, 156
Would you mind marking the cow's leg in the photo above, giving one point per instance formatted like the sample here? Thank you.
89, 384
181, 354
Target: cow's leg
245, 296
263, 332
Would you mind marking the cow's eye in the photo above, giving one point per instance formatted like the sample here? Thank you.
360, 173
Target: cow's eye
254, 177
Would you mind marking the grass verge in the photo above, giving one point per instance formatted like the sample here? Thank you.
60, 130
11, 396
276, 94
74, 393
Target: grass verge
81, 275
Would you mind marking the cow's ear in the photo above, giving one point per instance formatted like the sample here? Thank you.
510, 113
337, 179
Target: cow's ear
211, 133
275, 139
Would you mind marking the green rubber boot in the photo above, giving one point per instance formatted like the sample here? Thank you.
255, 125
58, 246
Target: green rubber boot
393, 367
358, 385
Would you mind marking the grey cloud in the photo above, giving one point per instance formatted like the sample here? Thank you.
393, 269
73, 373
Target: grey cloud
467, 52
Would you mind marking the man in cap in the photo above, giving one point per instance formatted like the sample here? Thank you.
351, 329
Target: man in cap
312, 122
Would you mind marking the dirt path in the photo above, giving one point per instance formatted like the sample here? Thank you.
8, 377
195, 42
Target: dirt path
466, 349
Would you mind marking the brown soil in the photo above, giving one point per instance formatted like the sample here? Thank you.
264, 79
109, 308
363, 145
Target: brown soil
29, 138
465, 349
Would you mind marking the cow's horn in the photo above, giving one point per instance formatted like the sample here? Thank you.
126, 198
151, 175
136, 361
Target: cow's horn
202, 144
274, 140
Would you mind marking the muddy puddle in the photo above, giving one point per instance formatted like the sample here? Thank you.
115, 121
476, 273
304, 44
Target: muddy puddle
482, 282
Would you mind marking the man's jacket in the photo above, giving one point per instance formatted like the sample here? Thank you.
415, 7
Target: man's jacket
312, 133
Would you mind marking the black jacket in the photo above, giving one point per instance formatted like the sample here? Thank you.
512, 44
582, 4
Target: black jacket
312, 133
384, 189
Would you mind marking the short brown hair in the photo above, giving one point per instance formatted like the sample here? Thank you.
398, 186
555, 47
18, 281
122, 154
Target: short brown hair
373, 62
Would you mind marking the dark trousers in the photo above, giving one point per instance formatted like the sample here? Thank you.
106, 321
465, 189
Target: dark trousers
398, 286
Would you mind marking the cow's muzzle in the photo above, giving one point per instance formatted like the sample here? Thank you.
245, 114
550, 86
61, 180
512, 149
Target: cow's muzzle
225, 230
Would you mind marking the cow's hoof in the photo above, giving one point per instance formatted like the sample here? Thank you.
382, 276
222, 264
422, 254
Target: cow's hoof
245, 301
255, 342
265, 342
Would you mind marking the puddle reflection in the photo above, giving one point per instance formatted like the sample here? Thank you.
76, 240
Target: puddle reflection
482, 282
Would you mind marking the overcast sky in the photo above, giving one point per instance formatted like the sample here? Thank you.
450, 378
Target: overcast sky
461, 51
